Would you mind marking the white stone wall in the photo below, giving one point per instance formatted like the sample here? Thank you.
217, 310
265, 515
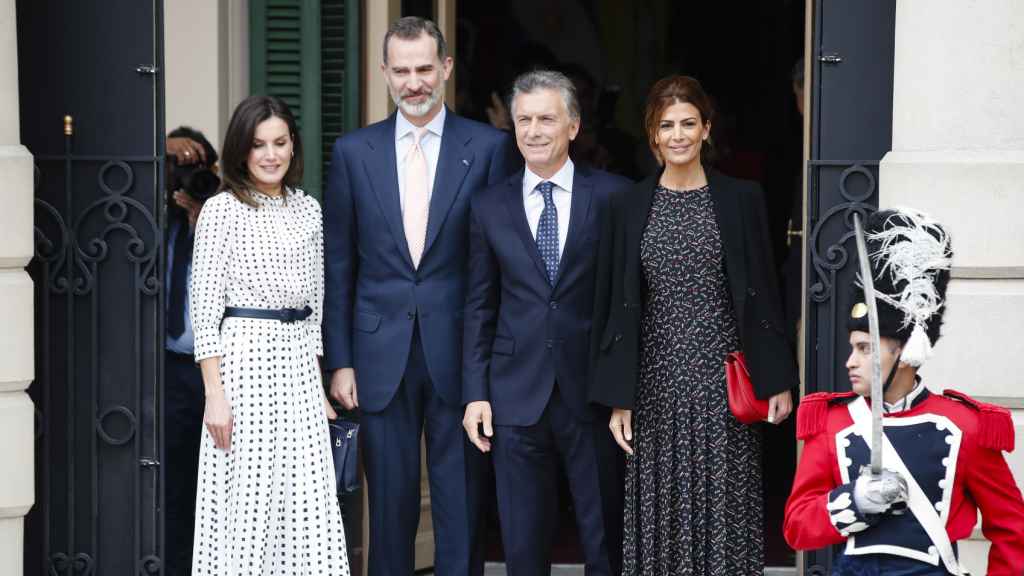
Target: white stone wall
206, 59
17, 451
958, 153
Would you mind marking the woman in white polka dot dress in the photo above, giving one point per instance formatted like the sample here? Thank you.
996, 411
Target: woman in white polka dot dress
266, 500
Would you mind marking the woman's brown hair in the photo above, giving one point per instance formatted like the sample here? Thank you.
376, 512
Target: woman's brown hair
239, 139
669, 91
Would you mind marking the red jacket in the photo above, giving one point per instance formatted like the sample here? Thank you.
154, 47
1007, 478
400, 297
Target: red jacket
982, 478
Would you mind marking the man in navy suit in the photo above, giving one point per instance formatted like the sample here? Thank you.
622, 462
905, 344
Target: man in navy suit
528, 313
396, 227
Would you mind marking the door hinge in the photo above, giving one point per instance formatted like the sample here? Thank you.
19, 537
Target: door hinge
147, 70
148, 462
831, 58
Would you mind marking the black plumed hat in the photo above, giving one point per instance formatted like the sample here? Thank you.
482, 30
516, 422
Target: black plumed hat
910, 257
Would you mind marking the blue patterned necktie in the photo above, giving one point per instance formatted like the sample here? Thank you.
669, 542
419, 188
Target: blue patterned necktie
547, 232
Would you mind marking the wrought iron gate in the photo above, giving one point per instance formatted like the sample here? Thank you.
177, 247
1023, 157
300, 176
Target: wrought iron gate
98, 279
851, 129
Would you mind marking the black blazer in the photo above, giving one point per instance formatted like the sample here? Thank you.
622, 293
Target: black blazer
621, 291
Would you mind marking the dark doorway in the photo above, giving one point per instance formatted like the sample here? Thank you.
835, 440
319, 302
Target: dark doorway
851, 130
742, 53
97, 275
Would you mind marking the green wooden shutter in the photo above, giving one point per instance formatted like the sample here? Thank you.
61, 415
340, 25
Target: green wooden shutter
307, 53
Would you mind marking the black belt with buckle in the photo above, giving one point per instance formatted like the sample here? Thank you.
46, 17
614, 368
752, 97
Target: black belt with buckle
285, 315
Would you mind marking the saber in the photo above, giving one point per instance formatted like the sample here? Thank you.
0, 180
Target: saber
868, 282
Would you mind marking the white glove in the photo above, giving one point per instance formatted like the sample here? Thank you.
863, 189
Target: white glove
879, 494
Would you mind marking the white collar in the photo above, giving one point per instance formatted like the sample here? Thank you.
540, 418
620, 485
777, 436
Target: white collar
562, 179
403, 127
907, 402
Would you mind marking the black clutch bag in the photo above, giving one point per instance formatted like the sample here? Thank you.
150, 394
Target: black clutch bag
345, 449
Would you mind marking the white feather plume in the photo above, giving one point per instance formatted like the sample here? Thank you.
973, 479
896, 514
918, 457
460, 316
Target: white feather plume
912, 249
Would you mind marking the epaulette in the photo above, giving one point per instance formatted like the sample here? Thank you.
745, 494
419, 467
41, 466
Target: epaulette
995, 425
812, 415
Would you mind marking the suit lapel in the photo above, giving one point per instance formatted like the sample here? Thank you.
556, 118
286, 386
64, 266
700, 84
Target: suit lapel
513, 199
638, 210
382, 172
582, 193
453, 165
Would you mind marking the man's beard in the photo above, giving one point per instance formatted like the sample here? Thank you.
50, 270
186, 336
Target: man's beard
418, 110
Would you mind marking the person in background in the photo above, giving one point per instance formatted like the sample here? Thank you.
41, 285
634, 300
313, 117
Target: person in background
397, 215
688, 278
191, 179
791, 273
946, 460
267, 500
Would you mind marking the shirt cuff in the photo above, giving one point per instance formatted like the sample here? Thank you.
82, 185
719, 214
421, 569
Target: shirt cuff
208, 347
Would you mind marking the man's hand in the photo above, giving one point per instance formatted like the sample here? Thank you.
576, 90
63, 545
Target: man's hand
343, 388
190, 205
621, 425
478, 413
779, 407
186, 150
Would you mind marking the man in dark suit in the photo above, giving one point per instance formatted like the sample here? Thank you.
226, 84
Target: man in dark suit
528, 314
395, 233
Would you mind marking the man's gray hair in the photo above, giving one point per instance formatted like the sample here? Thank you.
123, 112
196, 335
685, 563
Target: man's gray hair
411, 28
530, 82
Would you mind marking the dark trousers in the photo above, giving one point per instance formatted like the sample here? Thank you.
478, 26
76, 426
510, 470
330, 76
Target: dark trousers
184, 403
391, 450
526, 462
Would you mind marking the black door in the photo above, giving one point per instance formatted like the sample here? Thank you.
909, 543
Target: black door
851, 129
98, 281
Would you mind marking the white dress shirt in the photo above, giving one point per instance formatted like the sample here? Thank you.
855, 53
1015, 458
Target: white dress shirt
430, 144
561, 194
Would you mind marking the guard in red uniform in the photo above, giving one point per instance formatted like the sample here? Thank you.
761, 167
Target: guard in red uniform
942, 453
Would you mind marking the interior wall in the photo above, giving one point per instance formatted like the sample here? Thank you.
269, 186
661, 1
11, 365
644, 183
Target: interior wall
206, 61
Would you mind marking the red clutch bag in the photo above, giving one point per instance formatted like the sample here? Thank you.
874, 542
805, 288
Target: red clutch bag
745, 406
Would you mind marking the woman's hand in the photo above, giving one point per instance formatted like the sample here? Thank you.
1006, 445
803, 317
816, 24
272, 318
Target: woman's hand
621, 425
779, 407
218, 419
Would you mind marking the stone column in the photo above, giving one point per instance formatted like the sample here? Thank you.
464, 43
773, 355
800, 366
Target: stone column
958, 153
17, 451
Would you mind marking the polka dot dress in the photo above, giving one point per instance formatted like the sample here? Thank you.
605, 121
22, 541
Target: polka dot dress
266, 506
693, 489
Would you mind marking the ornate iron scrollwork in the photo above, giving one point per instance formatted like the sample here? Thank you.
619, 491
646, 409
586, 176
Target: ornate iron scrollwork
97, 230
51, 252
101, 429
116, 207
836, 254
149, 565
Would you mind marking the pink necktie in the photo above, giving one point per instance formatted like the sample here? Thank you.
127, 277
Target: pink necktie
417, 204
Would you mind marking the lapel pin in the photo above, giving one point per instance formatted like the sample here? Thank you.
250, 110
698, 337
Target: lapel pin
466, 162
